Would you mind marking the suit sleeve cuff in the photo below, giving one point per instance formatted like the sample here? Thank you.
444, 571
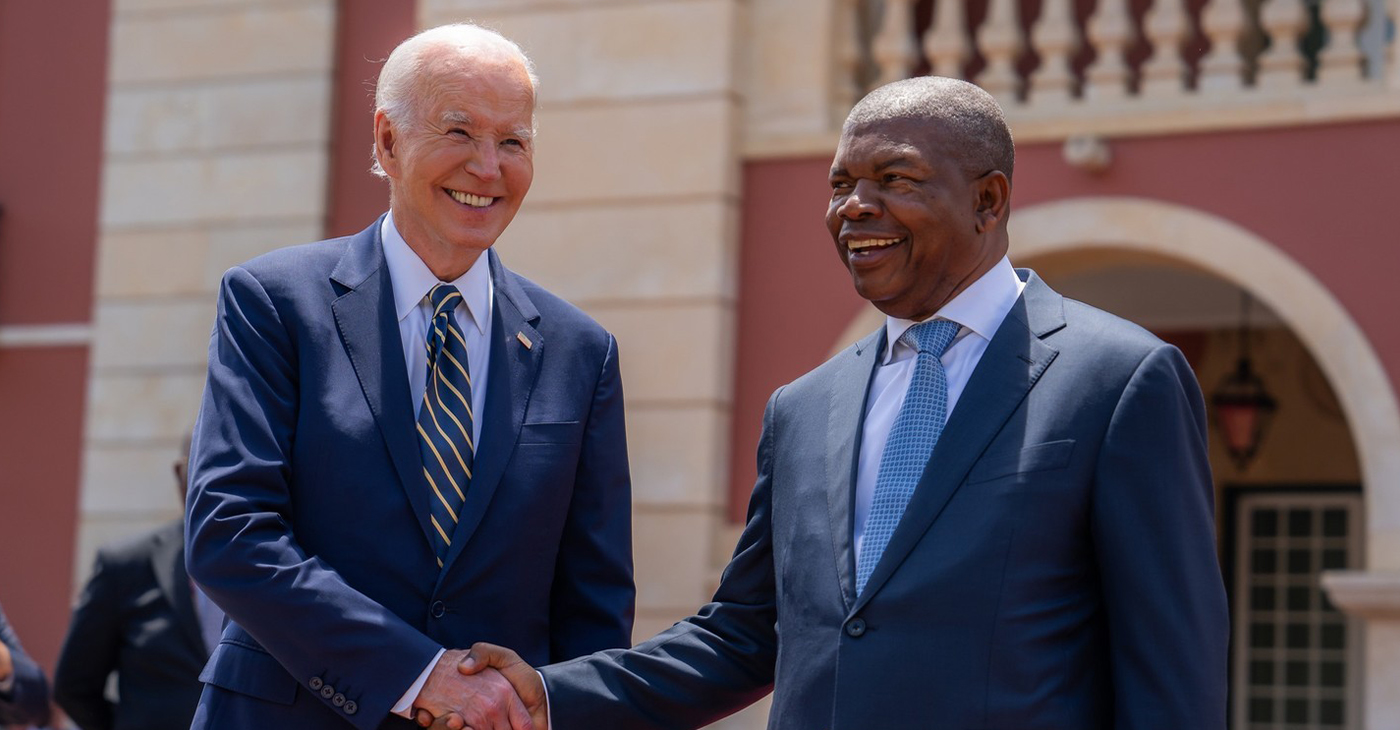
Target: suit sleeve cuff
404, 707
548, 714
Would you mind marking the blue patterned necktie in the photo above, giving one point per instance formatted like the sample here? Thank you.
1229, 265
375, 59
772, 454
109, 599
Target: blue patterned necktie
910, 444
445, 420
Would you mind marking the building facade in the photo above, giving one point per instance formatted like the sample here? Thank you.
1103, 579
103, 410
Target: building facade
1219, 171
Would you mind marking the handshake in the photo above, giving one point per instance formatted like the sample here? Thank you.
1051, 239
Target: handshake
484, 688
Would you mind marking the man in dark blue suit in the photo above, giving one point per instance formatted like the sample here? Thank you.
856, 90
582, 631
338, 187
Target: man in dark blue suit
994, 513
403, 446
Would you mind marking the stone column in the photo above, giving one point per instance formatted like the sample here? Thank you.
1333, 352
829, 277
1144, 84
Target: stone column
216, 148
1374, 598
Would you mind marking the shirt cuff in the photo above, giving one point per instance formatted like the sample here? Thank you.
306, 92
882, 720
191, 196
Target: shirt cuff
404, 707
548, 715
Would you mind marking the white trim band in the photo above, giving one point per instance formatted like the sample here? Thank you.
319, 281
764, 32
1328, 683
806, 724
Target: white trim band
46, 335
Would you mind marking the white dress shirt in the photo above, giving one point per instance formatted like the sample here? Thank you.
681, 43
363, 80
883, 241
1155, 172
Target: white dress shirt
412, 280
980, 309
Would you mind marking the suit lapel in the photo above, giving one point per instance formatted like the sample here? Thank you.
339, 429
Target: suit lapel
369, 329
1013, 363
168, 564
845, 416
509, 384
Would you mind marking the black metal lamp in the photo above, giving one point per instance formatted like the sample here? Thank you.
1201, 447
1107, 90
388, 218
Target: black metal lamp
1243, 407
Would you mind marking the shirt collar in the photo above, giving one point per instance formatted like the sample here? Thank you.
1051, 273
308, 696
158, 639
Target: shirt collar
980, 307
412, 279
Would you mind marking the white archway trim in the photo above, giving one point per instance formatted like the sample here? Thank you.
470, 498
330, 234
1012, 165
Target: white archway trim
1235, 254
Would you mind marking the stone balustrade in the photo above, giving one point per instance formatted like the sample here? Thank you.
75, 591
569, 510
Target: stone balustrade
1065, 67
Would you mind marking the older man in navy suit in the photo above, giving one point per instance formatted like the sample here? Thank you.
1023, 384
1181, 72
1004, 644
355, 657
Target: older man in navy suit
993, 513
403, 446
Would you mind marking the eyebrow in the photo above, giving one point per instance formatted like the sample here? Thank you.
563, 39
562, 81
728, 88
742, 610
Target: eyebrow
879, 166
456, 117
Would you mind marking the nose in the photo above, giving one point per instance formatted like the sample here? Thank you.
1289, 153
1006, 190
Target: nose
485, 165
860, 204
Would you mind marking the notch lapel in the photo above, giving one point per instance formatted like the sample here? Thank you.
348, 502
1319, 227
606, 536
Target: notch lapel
509, 384
168, 564
845, 422
1013, 363
369, 329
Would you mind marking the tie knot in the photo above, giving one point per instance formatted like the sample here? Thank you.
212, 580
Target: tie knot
443, 298
932, 337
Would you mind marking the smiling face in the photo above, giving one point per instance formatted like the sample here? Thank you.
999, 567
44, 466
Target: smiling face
462, 160
913, 227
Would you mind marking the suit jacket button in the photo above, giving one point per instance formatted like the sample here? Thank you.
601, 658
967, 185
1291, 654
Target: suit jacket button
327, 691
350, 707
856, 628
438, 609
315, 684
338, 700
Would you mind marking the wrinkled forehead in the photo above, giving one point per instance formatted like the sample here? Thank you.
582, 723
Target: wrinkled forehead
879, 141
461, 87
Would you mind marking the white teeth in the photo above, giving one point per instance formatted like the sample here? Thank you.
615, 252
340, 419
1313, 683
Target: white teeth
476, 201
871, 243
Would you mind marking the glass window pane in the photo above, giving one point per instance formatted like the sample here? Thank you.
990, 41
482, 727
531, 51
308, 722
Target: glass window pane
1333, 559
1297, 636
1265, 561
1261, 636
1334, 523
1295, 710
1332, 714
1265, 523
1296, 674
1261, 673
1300, 523
1299, 598
1261, 709
1299, 562
1333, 674
1333, 636
1261, 598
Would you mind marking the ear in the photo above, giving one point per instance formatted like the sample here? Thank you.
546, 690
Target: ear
386, 139
993, 191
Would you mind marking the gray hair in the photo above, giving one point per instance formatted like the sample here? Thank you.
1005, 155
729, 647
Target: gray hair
973, 117
398, 92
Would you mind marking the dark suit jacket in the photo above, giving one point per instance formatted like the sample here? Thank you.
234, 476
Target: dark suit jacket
1054, 570
308, 509
136, 617
27, 702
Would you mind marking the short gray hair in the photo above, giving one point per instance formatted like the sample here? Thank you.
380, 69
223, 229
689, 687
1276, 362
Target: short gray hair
971, 114
397, 92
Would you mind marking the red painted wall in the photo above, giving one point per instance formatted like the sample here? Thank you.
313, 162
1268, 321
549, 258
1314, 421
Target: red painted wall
366, 31
52, 96
1325, 195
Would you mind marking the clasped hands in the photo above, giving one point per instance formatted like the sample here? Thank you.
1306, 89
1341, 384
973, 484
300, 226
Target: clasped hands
485, 688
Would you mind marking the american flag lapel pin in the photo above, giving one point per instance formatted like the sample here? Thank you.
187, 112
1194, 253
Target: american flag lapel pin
524, 340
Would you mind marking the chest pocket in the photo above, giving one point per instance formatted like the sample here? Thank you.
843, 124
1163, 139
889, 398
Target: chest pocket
1040, 457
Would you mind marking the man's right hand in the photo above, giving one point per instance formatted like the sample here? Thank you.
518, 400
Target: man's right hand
481, 700
523, 678
7, 664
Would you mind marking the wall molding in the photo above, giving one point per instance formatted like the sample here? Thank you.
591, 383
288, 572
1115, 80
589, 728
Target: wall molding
69, 334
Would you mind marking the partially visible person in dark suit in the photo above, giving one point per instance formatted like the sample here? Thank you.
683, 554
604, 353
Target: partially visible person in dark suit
24, 693
142, 618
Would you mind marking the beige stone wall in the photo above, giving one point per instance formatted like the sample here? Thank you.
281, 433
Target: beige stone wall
216, 150
633, 216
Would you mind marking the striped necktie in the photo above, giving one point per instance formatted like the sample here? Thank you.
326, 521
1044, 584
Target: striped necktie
445, 420
912, 437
